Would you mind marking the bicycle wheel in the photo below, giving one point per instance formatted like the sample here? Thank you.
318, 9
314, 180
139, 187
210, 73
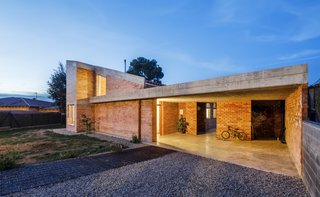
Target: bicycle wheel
242, 136
225, 135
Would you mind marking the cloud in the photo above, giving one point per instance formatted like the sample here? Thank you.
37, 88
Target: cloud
307, 20
222, 65
310, 53
226, 12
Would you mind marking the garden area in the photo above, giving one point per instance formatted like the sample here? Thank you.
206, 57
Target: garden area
36, 145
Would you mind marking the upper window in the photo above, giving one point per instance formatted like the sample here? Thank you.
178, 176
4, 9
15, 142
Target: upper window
101, 84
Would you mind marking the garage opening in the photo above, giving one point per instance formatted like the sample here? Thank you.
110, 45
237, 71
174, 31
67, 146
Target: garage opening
268, 120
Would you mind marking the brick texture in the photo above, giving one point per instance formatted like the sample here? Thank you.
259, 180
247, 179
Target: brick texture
118, 118
169, 116
236, 114
191, 117
116, 84
296, 111
85, 83
84, 107
148, 120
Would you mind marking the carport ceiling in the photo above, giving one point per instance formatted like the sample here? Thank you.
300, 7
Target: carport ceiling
279, 93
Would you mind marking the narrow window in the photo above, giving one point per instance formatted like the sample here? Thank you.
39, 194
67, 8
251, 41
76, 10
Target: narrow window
71, 112
98, 85
214, 110
208, 111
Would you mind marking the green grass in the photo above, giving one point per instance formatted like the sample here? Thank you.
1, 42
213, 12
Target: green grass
42, 144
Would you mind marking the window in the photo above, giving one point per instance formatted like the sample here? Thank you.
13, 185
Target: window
71, 111
208, 110
100, 85
214, 110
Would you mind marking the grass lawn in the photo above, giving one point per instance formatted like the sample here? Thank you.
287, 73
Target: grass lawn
42, 145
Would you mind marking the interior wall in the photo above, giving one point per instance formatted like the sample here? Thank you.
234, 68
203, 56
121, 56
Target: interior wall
191, 117
169, 117
236, 114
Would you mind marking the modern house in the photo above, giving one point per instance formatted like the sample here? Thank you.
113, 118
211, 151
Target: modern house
25, 104
264, 104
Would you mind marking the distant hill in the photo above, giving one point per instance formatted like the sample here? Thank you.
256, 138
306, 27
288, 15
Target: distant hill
43, 97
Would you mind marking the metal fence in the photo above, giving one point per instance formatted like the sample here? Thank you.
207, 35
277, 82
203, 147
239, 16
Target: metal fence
14, 119
314, 102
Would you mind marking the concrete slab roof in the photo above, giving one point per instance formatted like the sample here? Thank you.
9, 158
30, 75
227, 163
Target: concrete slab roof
279, 77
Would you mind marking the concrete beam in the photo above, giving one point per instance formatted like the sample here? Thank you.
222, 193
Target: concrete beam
284, 76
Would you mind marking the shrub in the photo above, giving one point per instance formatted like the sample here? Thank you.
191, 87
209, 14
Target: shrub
69, 154
135, 139
87, 123
9, 160
117, 148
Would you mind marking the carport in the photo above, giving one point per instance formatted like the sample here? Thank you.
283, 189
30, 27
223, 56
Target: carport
260, 113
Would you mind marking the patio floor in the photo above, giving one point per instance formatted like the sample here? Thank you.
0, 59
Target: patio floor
266, 155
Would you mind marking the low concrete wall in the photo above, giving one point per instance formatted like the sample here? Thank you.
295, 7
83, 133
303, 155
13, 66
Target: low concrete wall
311, 157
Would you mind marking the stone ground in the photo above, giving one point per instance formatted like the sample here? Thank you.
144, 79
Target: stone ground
175, 174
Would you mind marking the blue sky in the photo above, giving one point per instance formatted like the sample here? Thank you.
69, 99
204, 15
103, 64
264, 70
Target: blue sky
191, 40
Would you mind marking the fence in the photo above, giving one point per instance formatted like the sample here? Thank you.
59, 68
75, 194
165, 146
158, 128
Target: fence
311, 157
13, 119
314, 102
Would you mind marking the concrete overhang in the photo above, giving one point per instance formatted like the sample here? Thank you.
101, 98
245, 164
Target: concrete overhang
281, 77
108, 72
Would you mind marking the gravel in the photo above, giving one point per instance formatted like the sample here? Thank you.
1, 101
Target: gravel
176, 174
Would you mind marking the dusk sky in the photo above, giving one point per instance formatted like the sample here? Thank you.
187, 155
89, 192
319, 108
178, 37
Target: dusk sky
191, 40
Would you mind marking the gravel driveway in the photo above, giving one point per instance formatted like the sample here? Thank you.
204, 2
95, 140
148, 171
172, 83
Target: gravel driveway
176, 174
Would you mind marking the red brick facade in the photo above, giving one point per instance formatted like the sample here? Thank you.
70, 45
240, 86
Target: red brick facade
236, 114
296, 110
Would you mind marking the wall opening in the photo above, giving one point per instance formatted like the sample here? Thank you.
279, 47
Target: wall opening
268, 119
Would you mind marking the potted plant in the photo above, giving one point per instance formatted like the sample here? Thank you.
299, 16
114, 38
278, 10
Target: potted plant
182, 124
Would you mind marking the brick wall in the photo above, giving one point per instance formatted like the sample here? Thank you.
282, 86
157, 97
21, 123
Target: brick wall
83, 107
169, 116
296, 105
236, 114
190, 113
310, 157
116, 84
118, 118
148, 120
85, 83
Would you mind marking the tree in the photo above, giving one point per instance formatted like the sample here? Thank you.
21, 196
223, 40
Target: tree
149, 69
57, 87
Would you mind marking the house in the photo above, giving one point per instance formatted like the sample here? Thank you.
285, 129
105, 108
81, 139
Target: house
25, 104
268, 104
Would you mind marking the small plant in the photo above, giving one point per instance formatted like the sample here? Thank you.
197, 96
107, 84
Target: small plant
68, 154
135, 139
87, 123
182, 124
9, 160
117, 148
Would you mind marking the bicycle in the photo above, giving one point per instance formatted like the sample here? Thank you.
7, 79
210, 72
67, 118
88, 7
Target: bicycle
234, 132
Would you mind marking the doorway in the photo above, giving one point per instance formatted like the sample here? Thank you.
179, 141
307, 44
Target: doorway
267, 118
